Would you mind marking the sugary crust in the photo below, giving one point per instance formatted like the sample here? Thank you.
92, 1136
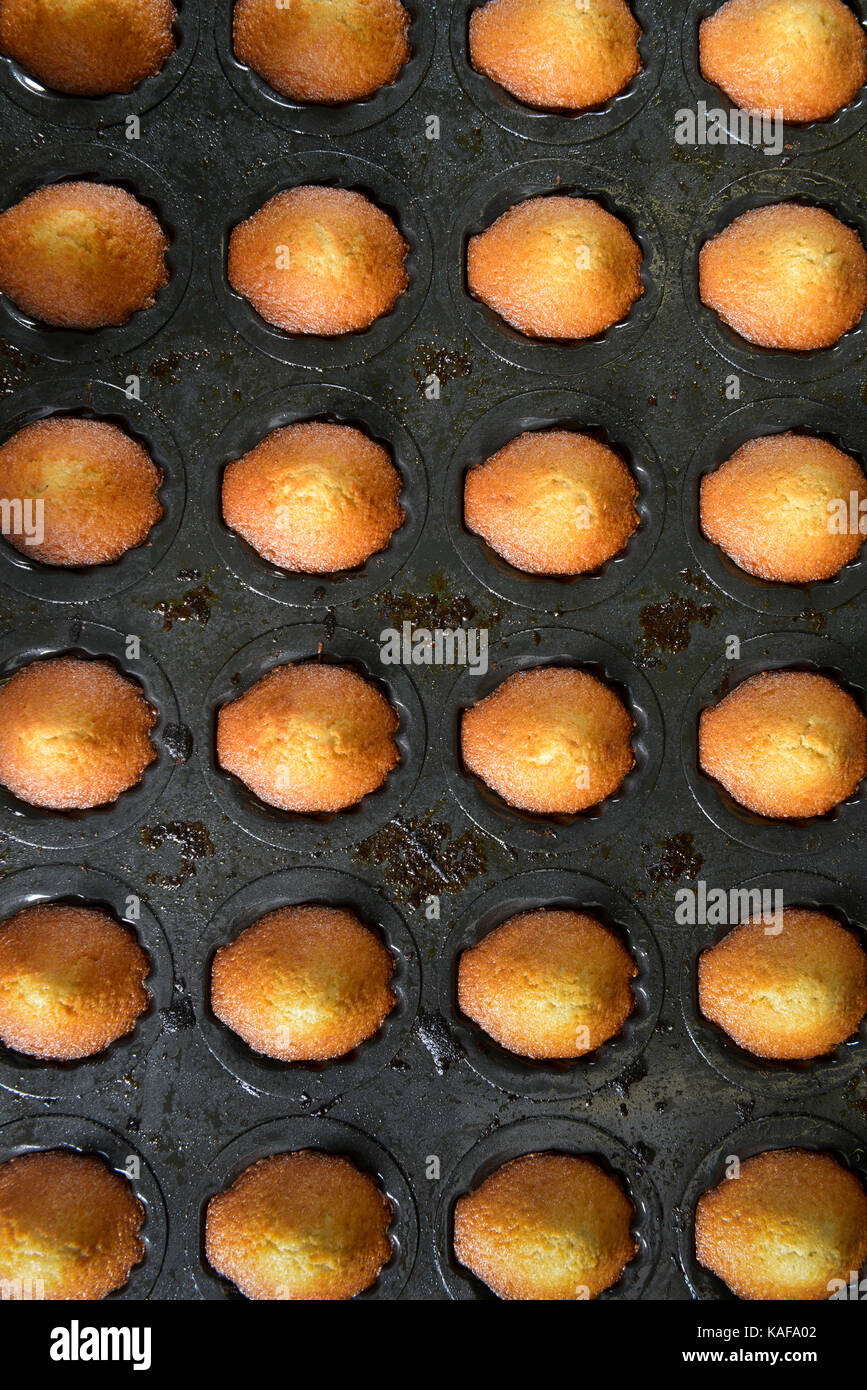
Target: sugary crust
553, 502
82, 255
790, 1224
785, 744
768, 508
546, 1226
314, 498
319, 260
806, 58
554, 53
71, 981
304, 983
69, 1227
98, 487
345, 51
309, 738
791, 993
556, 267
786, 276
304, 1225
88, 48
548, 984
552, 740
74, 733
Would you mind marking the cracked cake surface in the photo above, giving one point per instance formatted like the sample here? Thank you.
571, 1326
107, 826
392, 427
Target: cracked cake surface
552, 983
69, 1226
555, 54
785, 744
546, 1226
790, 1225
304, 983
306, 1225
786, 276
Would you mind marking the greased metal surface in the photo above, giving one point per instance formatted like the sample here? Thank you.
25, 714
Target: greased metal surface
429, 1105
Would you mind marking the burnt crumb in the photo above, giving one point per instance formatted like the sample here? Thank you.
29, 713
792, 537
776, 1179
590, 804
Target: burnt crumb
179, 1015
399, 1065
439, 608
444, 363
329, 626
193, 843
679, 859
178, 742
816, 621
172, 368
18, 363
133, 1124
664, 1027
659, 1107
422, 859
855, 1092
433, 1033
195, 605
667, 627
490, 1128
622, 1084
745, 1109
696, 581
645, 1153
326, 1106
189, 576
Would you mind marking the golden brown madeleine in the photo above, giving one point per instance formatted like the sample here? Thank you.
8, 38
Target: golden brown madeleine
304, 984
74, 733
787, 1227
785, 744
309, 738
69, 1226
71, 981
82, 255
546, 1226
556, 53
323, 54
98, 488
773, 508
805, 58
319, 260
314, 498
556, 267
790, 989
88, 48
552, 740
304, 1225
786, 276
548, 984
553, 502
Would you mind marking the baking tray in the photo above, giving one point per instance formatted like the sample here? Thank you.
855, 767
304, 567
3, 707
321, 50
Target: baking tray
431, 859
